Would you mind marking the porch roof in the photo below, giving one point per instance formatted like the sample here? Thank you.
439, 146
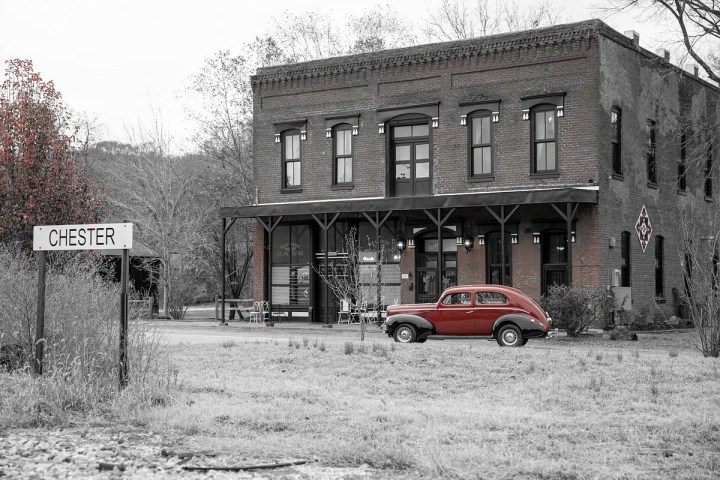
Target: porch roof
579, 194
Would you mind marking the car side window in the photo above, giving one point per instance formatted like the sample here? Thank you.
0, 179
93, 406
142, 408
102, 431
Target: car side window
462, 298
490, 298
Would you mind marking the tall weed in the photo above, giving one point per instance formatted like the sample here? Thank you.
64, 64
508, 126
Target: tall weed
81, 362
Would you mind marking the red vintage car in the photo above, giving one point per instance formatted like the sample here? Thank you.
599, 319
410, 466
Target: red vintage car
491, 311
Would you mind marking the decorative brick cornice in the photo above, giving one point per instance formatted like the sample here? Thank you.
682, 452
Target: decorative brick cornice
430, 53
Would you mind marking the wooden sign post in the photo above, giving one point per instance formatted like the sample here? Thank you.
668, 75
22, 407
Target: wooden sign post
107, 236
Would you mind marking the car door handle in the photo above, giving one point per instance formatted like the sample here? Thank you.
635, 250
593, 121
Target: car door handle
470, 311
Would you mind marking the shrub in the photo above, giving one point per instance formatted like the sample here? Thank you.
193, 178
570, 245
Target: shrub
575, 309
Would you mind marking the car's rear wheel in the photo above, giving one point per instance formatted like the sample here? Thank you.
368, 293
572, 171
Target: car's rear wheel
510, 336
405, 333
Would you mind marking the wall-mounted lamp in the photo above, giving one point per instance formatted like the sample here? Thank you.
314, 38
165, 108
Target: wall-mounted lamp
467, 240
560, 111
514, 238
463, 120
536, 237
468, 244
277, 138
381, 128
495, 117
303, 135
355, 129
526, 114
435, 122
481, 239
572, 237
401, 242
328, 132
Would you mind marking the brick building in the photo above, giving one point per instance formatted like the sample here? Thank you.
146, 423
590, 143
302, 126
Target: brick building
543, 151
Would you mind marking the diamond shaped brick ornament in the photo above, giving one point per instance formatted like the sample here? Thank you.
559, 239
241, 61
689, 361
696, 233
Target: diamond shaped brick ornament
643, 228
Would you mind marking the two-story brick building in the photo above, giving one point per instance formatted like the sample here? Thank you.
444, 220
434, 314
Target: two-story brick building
526, 158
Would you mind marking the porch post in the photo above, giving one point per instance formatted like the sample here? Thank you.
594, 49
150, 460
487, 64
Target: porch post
502, 245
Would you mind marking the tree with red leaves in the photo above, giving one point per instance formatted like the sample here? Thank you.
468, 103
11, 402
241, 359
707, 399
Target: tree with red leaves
42, 181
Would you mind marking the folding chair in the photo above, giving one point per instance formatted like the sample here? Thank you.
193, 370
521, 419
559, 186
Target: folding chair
344, 314
259, 311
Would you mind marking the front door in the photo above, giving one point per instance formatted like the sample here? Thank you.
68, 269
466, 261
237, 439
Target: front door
554, 259
431, 282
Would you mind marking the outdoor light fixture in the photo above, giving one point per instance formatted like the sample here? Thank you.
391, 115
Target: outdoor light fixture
401, 243
467, 240
277, 138
560, 111
435, 122
536, 237
328, 133
572, 237
381, 128
514, 238
463, 119
481, 239
303, 135
526, 114
495, 117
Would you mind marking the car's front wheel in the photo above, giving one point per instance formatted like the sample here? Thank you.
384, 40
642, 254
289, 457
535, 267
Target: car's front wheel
405, 333
510, 336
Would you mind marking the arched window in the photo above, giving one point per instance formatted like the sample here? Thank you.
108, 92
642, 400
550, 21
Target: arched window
291, 159
544, 139
343, 155
659, 267
480, 135
625, 259
616, 136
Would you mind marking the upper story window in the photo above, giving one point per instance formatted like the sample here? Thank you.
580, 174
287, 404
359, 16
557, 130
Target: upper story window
650, 154
481, 158
682, 166
411, 159
544, 139
616, 135
291, 159
625, 259
343, 155
708, 172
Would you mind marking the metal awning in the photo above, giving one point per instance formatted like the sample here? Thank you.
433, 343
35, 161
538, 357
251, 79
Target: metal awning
577, 194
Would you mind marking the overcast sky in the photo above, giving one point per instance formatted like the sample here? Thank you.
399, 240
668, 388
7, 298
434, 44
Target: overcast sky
116, 59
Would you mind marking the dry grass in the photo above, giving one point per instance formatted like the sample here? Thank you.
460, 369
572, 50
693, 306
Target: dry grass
453, 410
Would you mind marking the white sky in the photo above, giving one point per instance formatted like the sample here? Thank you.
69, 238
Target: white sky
118, 59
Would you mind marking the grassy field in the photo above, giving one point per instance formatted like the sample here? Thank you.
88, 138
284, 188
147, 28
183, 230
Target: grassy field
552, 410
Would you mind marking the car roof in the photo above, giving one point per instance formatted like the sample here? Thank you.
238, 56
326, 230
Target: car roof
484, 287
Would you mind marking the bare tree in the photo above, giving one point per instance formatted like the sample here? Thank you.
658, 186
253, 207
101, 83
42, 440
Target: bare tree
700, 250
696, 23
312, 36
157, 192
356, 279
459, 19
224, 111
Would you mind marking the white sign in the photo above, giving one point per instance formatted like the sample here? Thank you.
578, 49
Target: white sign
96, 236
